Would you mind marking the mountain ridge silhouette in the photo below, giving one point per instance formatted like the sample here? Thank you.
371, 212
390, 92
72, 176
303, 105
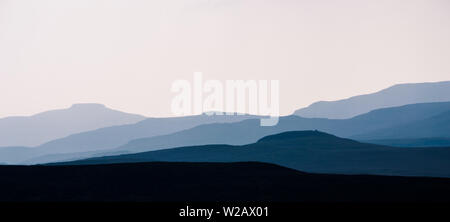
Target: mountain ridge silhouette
396, 95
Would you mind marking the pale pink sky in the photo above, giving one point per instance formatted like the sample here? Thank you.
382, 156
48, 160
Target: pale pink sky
126, 54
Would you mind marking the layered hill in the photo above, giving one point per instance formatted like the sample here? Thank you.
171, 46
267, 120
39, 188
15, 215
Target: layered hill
110, 137
421, 124
250, 131
310, 151
437, 126
244, 132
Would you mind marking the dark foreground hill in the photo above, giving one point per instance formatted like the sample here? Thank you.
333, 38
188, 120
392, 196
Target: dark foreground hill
310, 151
250, 181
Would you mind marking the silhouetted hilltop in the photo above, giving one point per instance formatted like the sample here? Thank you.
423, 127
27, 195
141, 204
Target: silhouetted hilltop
287, 137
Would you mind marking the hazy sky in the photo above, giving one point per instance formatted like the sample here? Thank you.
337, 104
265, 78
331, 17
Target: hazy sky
126, 54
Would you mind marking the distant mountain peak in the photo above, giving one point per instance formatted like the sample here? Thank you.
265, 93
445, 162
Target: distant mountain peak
87, 105
54, 124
